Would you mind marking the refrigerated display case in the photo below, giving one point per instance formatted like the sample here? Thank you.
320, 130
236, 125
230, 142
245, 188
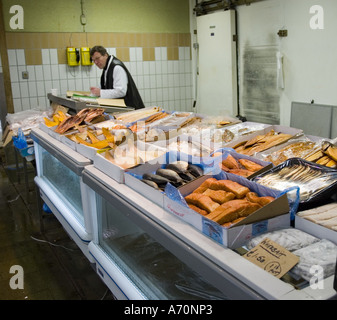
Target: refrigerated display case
143, 252
59, 180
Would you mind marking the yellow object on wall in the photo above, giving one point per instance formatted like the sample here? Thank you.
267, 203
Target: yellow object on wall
73, 56
85, 56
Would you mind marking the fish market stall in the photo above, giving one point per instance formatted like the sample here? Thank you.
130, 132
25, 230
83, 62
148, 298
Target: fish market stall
172, 217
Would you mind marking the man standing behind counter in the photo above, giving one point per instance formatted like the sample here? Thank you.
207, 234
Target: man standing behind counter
116, 80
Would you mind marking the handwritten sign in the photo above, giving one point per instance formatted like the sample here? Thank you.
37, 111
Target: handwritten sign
272, 257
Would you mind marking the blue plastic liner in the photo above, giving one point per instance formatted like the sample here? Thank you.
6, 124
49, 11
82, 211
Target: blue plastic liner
20, 142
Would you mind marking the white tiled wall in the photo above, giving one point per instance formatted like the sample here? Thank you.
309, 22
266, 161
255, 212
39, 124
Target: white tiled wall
163, 83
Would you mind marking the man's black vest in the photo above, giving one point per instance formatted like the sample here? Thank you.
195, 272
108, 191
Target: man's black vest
132, 98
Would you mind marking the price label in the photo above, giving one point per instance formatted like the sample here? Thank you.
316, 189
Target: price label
272, 257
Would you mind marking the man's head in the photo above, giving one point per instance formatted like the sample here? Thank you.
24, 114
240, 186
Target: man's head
99, 56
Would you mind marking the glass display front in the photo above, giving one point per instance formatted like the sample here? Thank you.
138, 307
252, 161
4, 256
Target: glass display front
65, 183
153, 269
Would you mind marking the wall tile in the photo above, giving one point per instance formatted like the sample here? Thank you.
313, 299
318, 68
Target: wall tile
16, 90
164, 67
86, 84
53, 56
62, 56
62, 71
171, 83
146, 80
154, 97
123, 54
94, 82
151, 82
147, 96
177, 93
132, 67
140, 82
176, 80
41, 91
148, 54
55, 71
63, 87
165, 80
20, 57
182, 93
55, 84
24, 90
38, 72
25, 104
139, 54
111, 51
33, 102
32, 89
17, 104
20, 70
172, 53
71, 84
159, 80
152, 67
170, 67
33, 56
46, 72
48, 86
42, 102
146, 67
78, 85
158, 67
12, 57
45, 56
31, 73
157, 54
13, 71
140, 69
133, 55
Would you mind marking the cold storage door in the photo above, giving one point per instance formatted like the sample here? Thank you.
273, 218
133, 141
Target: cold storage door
217, 79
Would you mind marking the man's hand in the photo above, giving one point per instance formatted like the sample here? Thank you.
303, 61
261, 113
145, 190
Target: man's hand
95, 91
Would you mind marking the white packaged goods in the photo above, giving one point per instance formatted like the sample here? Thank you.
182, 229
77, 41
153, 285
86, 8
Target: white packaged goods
290, 238
321, 255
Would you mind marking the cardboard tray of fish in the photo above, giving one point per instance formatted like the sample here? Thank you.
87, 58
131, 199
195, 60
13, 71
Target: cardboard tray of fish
314, 181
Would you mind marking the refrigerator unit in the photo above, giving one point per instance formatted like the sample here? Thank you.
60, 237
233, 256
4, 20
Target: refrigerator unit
59, 180
142, 251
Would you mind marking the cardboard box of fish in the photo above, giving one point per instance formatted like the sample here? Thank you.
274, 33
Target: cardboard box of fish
320, 221
228, 208
265, 139
239, 164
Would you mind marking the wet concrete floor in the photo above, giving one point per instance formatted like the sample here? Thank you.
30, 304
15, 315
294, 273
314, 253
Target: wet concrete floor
38, 263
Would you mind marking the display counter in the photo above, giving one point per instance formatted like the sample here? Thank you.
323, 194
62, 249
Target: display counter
140, 250
119, 208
